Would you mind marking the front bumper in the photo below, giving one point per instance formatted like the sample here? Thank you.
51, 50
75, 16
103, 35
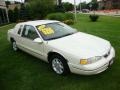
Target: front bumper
94, 68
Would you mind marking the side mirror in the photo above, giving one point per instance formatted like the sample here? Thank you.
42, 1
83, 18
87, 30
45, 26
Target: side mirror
37, 40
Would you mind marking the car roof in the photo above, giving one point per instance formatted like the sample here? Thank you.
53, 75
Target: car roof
38, 22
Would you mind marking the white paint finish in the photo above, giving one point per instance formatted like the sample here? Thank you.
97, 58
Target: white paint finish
72, 48
82, 45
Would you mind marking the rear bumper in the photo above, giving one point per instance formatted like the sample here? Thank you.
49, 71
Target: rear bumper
94, 68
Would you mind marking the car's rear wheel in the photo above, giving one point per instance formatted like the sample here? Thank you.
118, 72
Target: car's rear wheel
14, 46
59, 65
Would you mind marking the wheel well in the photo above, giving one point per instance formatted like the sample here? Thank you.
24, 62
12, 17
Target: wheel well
50, 54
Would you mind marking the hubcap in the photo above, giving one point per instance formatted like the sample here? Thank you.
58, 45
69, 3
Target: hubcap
14, 46
57, 66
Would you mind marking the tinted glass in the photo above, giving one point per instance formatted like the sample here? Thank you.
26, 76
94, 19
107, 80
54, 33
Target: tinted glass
55, 30
20, 28
29, 32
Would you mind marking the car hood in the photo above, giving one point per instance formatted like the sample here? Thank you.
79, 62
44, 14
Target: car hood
81, 45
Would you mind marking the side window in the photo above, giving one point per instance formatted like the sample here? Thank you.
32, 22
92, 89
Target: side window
29, 32
20, 28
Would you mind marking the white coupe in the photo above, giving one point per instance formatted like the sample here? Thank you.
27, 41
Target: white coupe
65, 49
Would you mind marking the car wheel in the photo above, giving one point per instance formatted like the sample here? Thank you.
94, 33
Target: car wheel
14, 46
59, 65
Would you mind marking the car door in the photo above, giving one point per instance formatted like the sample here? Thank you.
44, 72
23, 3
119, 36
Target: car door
18, 30
27, 43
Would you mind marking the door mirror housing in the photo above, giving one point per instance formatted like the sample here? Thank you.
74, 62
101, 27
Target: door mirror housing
37, 40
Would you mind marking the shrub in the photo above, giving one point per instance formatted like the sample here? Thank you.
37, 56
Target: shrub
64, 17
69, 16
94, 18
56, 16
69, 22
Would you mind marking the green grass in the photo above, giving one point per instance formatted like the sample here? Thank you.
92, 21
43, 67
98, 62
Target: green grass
21, 71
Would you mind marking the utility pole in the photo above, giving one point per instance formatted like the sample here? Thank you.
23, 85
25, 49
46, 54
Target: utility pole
75, 12
7, 15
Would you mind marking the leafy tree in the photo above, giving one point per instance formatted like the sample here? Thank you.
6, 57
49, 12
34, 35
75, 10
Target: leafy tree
19, 14
16, 2
116, 5
11, 15
60, 2
83, 5
24, 15
27, 0
7, 3
94, 4
59, 8
67, 6
40, 8
16, 14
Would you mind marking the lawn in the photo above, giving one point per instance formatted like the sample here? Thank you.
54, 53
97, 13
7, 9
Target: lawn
21, 71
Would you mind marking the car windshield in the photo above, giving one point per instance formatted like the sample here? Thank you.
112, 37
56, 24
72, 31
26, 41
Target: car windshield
55, 30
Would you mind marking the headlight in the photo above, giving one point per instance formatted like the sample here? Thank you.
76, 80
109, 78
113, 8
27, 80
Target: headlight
90, 60
83, 61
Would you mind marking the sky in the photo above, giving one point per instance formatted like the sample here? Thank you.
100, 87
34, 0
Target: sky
15, 0
71, 1
77, 1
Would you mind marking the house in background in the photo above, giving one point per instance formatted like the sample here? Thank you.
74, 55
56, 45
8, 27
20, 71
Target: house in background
12, 6
109, 4
3, 12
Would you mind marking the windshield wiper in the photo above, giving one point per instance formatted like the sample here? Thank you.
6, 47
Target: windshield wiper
68, 34
54, 38
60, 36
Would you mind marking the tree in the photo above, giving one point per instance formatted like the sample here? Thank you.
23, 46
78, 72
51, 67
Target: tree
116, 4
16, 14
83, 5
27, 0
24, 15
16, 2
40, 8
67, 6
7, 3
59, 2
11, 15
59, 7
94, 4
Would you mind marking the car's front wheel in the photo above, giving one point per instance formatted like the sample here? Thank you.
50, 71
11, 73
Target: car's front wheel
59, 65
14, 46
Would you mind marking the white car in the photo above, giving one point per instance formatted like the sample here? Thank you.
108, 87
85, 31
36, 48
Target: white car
65, 49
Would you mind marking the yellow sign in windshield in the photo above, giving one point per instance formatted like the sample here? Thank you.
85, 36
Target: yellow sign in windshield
46, 30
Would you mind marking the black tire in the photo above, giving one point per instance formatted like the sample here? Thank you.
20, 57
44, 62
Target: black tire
14, 46
63, 63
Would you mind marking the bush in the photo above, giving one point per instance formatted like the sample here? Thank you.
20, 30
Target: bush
56, 16
94, 18
69, 22
69, 16
64, 17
